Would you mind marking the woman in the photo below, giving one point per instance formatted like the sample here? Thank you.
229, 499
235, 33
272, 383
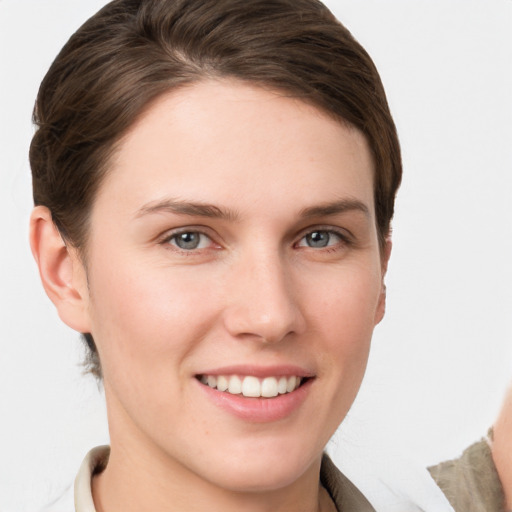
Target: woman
214, 184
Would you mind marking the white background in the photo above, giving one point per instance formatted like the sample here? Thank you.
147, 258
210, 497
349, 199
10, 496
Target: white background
442, 358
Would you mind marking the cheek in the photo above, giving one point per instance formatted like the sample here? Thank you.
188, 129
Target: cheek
347, 302
344, 312
142, 315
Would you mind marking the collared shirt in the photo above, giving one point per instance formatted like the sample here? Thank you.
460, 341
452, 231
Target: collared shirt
344, 494
95, 462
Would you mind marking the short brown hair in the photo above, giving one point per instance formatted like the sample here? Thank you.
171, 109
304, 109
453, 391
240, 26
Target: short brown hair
133, 51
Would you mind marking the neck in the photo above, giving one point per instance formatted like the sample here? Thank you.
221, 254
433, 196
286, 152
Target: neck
132, 483
141, 477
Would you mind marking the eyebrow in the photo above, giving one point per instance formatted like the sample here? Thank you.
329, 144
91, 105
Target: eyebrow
335, 208
187, 208
194, 209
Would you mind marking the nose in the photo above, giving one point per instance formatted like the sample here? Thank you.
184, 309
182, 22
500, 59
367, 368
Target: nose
263, 300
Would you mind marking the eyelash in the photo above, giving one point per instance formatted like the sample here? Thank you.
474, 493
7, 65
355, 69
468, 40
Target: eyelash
167, 240
344, 239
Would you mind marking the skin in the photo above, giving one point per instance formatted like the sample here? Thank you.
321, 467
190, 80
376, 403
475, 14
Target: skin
255, 292
501, 448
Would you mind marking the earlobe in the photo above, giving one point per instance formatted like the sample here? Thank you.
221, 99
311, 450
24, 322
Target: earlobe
61, 271
381, 306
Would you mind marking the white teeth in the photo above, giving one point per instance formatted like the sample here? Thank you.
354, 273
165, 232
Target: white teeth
269, 387
235, 385
251, 386
222, 383
290, 385
282, 385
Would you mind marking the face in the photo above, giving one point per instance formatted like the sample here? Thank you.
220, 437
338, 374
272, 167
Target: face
234, 281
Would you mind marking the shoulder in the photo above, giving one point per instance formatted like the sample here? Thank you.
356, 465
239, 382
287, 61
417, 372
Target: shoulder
95, 462
78, 498
343, 492
391, 483
471, 482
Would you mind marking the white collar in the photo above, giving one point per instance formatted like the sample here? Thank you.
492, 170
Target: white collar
94, 462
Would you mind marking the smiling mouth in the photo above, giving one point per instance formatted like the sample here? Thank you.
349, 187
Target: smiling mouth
253, 387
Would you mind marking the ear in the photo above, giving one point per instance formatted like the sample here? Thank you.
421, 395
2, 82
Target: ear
381, 305
501, 447
61, 270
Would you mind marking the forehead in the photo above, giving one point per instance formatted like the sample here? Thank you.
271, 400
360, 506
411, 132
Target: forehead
227, 141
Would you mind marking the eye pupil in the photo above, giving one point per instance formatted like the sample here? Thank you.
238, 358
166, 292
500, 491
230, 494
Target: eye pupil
187, 240
318, 239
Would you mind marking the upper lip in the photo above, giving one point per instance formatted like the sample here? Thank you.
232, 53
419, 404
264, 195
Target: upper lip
261, 371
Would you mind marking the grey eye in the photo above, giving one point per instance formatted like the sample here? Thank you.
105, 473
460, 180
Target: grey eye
318, 239
188, 241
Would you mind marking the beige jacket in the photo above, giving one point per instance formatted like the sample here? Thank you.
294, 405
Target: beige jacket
471, 482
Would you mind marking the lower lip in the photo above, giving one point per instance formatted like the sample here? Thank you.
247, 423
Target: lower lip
259, 410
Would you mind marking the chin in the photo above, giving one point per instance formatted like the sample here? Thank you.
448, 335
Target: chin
265, 468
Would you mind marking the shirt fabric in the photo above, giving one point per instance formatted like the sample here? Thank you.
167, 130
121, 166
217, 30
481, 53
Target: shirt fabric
344, 494
471, 482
